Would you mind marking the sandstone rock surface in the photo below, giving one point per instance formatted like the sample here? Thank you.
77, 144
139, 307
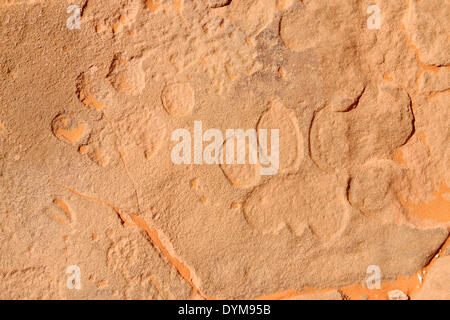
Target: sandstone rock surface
89, 103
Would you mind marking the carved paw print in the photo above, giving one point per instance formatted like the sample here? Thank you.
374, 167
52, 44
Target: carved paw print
101, 146
178, 99
298, 206
291, 143
144, 132
251, 16
241, 175
308, 28
381, 122
373, 187
69, 129
127, 76
95, 139
290, 147
93, 92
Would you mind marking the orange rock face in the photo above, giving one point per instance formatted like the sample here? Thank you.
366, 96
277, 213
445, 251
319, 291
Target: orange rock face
347, 102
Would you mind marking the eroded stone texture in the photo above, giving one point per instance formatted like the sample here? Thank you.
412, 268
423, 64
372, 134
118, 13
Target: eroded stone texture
434, 82
324, 28
178, 99
291, 142
381, 122
127, 76
427, 26
297, 208
87, 179
28, 284
252, 16
437, 282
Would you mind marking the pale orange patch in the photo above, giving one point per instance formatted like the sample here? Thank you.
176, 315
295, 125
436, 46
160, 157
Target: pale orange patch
124, 86
284, 4
102, 283
388, 77
54, 217
90, 101
2, 129
280, 295
287, 294
101, 159
179, 5
194, 183
398, 157
63, 206
83, 149
152, 5
235, 205
413, 47
72, 135
438, 209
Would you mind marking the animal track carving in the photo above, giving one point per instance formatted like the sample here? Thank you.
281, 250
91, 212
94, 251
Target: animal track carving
252, 16
309, 28
102, 146
144, 131
92, 92
241, 175
298, 206
96, 139
381, 123
178, 99
373, 189
69, 129
127, 76
291, 149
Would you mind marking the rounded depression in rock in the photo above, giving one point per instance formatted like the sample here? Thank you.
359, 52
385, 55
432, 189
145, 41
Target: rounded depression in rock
178, 99
69, 129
